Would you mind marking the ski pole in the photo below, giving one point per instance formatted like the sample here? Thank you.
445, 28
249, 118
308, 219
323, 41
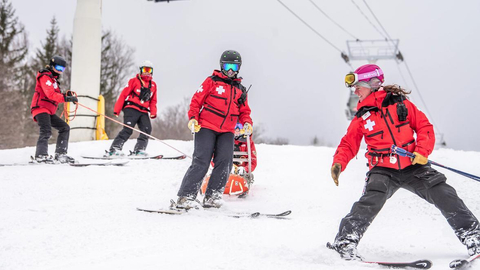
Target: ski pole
404, 153
139, 131
249, 151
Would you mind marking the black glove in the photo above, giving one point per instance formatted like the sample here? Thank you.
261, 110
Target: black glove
68, 98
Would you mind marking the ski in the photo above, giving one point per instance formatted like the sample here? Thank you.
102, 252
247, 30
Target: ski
24, 164
137, 157
420, 264
463, 263
173, 211
109, 163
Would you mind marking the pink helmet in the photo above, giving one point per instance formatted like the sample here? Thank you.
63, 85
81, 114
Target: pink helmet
367, 72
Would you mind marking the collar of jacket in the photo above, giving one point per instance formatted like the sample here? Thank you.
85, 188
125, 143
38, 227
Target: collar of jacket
373, 100
220, 74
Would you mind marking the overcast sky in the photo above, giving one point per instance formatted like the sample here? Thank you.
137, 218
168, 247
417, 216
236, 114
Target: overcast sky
298, 90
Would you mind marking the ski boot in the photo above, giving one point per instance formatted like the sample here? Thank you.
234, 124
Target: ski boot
213, 201
44, 159
63, 158
347, 250
186, 203
114, 153
473, 244
138, 153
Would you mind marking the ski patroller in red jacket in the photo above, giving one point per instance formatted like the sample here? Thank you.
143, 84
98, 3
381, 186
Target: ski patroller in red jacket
377, 121
215, 104
241, 145
47, 94
130, 96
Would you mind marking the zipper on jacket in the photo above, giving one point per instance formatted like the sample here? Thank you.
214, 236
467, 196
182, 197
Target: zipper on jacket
390, 116
225, 99
401, 125
375, 134
391, 134
228, 109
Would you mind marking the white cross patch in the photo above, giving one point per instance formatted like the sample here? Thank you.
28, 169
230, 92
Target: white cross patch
49, 83
220, 90
369, 125
200, 89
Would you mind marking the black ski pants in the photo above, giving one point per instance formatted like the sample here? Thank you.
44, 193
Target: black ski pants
132, 117
422, 180
208, 144
46, 121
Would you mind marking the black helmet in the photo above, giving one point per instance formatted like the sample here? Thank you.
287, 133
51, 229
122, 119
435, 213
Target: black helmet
230, 56
57, 60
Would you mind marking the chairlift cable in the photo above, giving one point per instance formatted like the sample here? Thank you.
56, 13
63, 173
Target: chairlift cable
319, 9
368, 20
311, 28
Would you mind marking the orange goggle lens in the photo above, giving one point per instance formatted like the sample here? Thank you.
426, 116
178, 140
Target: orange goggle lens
147, 70
350, 79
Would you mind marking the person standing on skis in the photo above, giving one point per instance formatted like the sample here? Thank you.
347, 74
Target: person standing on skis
386, 117
215, 108
137, 100
43, 107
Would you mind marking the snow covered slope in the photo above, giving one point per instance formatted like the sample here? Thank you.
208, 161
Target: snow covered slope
63, 217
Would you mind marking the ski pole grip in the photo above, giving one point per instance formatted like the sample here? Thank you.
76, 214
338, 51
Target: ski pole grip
401, 152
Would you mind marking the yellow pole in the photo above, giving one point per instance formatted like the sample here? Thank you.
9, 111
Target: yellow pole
100, 133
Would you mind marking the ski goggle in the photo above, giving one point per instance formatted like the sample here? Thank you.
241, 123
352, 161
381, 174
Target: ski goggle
233, 66
147, 70
59, 68
353, 78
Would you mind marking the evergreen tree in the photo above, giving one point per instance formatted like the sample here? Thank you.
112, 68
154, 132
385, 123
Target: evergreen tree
13, 53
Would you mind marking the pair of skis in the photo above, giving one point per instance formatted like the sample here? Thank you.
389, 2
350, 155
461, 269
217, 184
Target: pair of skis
120, 161
421, 264
108, 161
133, 157
177, 211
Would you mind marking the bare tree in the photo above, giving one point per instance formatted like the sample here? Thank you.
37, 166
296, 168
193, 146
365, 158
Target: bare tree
172, 124
117, 64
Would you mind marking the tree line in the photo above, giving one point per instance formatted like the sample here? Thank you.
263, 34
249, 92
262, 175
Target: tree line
19, 67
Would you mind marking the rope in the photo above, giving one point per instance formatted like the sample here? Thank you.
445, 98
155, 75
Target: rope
137, 130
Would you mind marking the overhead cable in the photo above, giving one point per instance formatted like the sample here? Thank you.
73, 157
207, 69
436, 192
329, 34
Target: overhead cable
315, 31
333, 20
368, 19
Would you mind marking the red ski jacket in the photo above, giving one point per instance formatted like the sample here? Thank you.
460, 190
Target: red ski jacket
130, 96
378, 121
216, 105
241, 145
47, 94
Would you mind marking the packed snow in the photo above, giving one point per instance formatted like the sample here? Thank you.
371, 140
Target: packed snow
63, 217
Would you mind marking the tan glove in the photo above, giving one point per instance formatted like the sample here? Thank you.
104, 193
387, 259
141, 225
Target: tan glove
248, 129
193, 125
419, 159
336, 170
